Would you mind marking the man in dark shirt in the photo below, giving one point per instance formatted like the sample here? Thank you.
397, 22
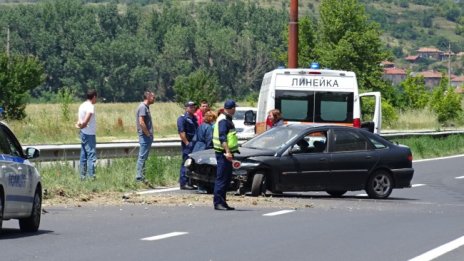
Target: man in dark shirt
144, 131
186, 127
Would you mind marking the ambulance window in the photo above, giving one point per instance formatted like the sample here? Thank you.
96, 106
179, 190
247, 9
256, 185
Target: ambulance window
334, 107
295, 105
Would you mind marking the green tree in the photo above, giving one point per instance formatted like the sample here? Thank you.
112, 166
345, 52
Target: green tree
415, 96
18, 75
198, 86
306, 42
446, 102
66, 97
460, 26
349, 41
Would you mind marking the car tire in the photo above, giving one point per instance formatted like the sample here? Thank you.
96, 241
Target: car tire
258, 186
2, 207
380, 185
336, 193
32, 223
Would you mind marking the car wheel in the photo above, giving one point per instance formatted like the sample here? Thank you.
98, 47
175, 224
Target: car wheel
380, 185
258, 186
31, 224
1, 210
336, 193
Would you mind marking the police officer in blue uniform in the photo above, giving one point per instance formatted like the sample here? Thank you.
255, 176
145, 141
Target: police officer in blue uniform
225, 144
187, 125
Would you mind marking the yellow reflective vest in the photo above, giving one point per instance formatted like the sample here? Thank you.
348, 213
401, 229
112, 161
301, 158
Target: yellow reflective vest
232, 140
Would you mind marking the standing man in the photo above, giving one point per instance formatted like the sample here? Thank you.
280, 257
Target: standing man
86, 122
186, 127
200, 113
145, 132
225, 144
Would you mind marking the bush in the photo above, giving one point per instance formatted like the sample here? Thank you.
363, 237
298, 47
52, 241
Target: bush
18, 75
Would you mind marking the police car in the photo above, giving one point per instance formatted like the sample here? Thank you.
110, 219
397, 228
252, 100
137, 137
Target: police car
20, 184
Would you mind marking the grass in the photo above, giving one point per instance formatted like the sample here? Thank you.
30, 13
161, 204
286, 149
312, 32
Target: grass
417, 120
47, 124
61, 179
431, 147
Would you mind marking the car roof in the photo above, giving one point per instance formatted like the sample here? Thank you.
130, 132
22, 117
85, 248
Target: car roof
307, 126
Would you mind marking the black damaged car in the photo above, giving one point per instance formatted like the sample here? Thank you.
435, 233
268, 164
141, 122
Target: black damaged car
302, 157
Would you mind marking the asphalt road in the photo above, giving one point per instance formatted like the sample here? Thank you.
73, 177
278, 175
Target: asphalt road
427, 217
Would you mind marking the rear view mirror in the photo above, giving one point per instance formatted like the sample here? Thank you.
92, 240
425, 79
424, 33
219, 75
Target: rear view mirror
250, 118
32, 153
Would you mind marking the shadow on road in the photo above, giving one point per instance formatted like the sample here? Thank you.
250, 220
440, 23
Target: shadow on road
328, 197
12, 233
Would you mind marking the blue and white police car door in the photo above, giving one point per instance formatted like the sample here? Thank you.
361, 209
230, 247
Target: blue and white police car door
14, 183
14, 175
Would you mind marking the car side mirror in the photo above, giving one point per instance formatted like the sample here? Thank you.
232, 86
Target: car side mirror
369, 126
250, 118
32, 153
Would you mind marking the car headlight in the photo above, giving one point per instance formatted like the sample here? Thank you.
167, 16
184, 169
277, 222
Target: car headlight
188, 162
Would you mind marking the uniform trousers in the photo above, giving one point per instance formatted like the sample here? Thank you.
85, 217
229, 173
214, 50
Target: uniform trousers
223, 178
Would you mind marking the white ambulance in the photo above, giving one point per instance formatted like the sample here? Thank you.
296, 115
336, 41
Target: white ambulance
313, 95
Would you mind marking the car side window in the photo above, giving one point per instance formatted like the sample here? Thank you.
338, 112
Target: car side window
313, 142
4, 145
377, 144
349, 141
8, 144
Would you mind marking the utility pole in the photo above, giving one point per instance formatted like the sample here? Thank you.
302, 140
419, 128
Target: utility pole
293, 35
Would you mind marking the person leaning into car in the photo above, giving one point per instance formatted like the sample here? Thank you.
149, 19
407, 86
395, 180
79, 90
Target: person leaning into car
225, 144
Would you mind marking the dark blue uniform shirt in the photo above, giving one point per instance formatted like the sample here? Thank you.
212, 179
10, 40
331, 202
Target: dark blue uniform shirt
187, 124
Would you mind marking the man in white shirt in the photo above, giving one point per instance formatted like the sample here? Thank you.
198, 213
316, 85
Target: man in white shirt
86, 122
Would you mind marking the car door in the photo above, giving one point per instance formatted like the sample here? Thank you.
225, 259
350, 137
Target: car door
352, 158
306, 167
16, 174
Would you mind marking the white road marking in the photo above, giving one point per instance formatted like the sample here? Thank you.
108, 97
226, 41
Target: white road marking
417, 185
461, 177
450, 157
173, 234
439, 251
157, 191
278, 213
361, 195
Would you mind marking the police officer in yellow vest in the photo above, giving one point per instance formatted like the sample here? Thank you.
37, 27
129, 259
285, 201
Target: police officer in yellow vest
225, 144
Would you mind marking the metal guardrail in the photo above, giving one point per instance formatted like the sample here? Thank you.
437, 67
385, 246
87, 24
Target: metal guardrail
104, 150
165, 147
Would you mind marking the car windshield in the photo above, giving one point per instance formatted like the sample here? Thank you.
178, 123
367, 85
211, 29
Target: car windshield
272, 139
239, 115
